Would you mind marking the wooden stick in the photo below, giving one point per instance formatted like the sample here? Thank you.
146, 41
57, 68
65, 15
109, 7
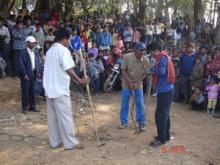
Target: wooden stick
89, 95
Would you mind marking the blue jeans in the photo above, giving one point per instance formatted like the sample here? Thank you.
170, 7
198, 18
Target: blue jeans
139, 105
148, 39
95, 84
162, 115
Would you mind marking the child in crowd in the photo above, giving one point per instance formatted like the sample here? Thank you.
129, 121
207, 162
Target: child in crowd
115, 37
95, 68
212, 90
197, 100
119, 43
39, 81
49, 39
136, 36
197, 73
89, 44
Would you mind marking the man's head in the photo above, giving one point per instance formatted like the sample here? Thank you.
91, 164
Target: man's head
91, 56
139, 48
31, 42
63, 36
155, 49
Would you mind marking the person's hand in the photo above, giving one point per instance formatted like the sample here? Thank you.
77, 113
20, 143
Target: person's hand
131, 86
26, 77
85, 80
135, 85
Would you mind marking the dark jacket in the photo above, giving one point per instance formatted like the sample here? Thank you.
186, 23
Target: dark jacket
24, 66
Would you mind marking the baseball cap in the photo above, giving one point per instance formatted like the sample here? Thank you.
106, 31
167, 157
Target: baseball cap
30, 39
140, 45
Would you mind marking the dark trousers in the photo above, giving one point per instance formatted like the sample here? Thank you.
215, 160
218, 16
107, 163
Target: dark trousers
162, 115
4, 55
95, 84
28, 95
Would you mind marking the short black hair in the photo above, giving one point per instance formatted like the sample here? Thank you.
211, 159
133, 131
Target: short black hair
62, 34
155, 46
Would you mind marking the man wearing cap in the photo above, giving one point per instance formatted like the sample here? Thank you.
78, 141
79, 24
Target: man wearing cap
134, 70
28, 68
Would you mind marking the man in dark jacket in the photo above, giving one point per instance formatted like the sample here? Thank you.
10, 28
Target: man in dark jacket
28, 69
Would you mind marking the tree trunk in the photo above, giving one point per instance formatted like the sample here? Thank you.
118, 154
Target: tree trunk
24, 4
4, 5
142, 8
217, 30
198, 10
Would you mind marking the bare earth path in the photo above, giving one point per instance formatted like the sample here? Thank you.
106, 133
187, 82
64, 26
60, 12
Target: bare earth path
24, 138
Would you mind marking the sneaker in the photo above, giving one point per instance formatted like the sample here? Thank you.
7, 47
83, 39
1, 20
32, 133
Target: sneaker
154, 95
167, 139
217, 115
122, 126
142, 127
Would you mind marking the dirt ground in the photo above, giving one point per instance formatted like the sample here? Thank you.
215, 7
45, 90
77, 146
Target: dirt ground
24, 138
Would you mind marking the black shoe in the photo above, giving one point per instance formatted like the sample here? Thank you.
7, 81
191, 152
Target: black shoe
142, 127
34, 110
167, 139
24, 112
156, 143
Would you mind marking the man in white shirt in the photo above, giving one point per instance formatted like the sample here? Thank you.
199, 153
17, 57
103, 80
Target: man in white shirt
58, 70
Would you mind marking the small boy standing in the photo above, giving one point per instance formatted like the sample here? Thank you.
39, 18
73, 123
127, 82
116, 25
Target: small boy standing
95, 68
212, 90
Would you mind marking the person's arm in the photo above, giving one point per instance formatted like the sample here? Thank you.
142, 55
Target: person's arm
161, 70
127, 79
74, 76
8, 36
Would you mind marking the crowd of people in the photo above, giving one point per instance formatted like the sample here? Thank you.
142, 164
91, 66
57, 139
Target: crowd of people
182, 65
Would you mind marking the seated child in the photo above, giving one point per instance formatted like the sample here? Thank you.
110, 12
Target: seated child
197, 100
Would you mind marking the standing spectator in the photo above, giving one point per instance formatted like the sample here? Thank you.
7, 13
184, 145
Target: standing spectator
148, 33
4, 42
28, 69
214, 66
212, 90
128, 34
18, 42
198, 31
136, 36
134, 70
56, 81
119, 43
196, 76
40, 38
156, 30
93, 50
202, 54
104, 39
95, 68
76, 45
187, 61
165, 79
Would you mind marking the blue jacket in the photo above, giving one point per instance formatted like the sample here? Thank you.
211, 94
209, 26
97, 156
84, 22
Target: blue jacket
186, 64
163, 84
104, 39
24, 66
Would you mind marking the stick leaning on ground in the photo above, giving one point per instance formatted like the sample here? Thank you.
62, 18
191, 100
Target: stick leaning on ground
89, 97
